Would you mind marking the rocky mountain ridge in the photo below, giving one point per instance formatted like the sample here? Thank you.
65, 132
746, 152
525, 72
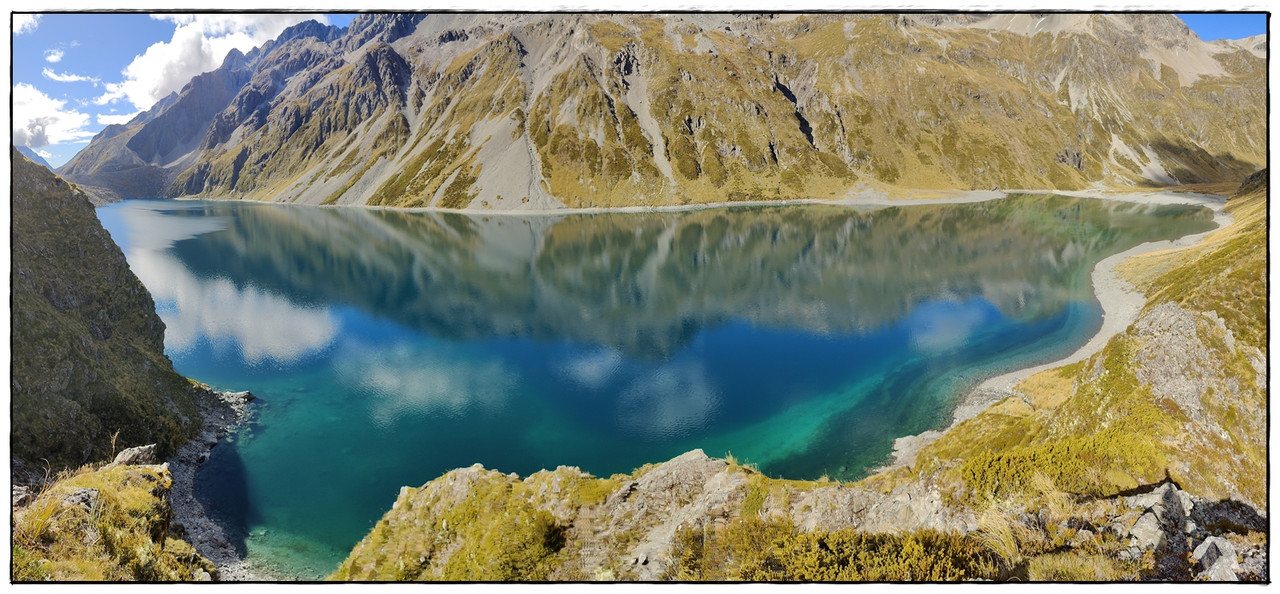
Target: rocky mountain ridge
508, 112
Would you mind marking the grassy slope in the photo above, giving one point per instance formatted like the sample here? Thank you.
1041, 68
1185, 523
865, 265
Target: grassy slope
481, 525
1095, 429
808, 107
124, 536
89, 369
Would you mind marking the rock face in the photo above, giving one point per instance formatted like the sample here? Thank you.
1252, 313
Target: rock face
538, 111
621, 528
1176, 527
89, 369
140, 455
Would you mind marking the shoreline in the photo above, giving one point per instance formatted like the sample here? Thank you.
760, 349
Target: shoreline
861, 198
1121, 304
222, 412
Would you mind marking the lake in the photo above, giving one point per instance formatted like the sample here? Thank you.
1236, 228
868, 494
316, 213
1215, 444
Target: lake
387, 347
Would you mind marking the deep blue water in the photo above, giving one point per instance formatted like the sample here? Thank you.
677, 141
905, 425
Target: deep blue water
388, 347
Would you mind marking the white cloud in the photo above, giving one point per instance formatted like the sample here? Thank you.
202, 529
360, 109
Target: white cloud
53, 55
109, 119
200, 43
25, 23
40, 120
46, 155
67, 77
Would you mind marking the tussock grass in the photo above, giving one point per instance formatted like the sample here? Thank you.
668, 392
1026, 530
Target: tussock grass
1072, 567
756, 549
124, 536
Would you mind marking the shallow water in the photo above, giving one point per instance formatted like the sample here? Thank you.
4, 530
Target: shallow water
388, 347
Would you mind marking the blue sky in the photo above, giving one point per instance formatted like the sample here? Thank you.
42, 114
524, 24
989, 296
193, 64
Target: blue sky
1214, 26
73, 74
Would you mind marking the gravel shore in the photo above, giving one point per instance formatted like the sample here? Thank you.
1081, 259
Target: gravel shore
1121, 304
222, 411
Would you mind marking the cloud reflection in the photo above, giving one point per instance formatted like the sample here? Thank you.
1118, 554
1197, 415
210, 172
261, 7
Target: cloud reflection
409, 379
940, 326
675, 401
594, 370
260, 325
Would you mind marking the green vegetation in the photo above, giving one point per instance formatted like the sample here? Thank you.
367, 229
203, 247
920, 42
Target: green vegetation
755, 549
1094, 429
1072, 567
88, 365
121, 533
498, 531
1113, 454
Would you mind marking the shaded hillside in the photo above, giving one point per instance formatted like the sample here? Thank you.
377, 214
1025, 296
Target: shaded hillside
89, 371
508, 111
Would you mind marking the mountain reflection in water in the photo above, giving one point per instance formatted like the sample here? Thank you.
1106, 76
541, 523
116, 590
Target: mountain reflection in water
387, 347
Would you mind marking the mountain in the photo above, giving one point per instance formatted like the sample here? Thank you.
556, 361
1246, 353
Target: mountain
503, 111
89, 373
35, 158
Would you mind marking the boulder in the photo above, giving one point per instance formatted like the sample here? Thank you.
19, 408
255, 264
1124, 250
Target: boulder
140, 455
1147, 533
1216, 557
22, 495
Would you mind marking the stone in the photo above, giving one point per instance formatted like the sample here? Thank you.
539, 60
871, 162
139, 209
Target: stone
86, 497
245, 396
1146, 532
140, 455
1081, 538
22, 495
1217, 557
1220, 572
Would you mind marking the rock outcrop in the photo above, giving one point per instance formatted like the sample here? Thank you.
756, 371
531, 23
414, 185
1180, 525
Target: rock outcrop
109, 524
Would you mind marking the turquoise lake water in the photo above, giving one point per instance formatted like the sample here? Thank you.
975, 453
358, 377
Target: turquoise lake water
388, 347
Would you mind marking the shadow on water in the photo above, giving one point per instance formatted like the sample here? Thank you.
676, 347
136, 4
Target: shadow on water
222, 489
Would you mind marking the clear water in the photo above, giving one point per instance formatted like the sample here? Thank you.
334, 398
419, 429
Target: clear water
388, 347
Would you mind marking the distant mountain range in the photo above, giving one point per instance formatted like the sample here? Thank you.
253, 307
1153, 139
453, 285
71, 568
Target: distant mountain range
34, 156
501, 111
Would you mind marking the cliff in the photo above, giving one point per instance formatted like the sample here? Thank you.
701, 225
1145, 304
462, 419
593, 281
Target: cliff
89, 373
508, 112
